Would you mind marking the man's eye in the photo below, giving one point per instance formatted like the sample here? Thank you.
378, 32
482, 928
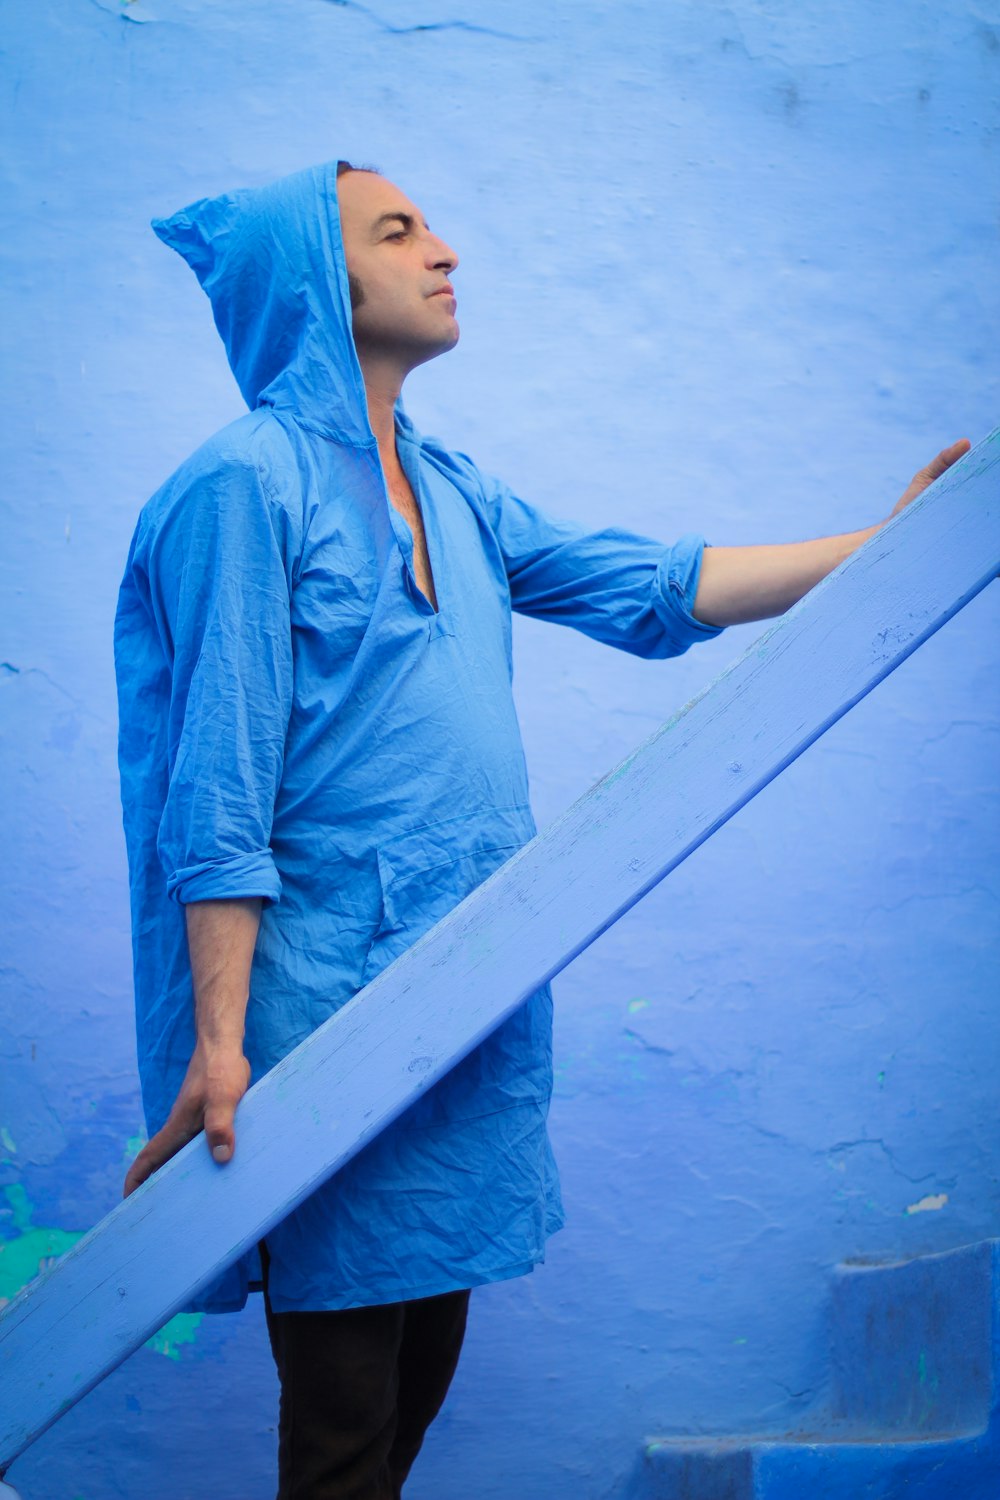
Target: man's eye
398, 234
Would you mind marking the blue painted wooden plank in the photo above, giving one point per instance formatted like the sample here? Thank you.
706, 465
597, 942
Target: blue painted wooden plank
343, 1085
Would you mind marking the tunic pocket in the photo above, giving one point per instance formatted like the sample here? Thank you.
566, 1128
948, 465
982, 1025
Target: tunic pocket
426, 872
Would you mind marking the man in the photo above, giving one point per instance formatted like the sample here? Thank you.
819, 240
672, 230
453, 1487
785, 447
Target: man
320, 758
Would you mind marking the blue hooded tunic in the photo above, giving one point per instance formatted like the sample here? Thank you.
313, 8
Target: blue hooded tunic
298, 723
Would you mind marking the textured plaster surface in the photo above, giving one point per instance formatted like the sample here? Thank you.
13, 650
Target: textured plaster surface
730, 268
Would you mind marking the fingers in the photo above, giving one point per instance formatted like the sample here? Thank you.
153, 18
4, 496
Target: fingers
225, 1089
158, 1149
219, 1129
927, 475
208, 1101
944, 460
135, 1176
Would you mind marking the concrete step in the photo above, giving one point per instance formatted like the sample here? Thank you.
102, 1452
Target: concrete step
811, 1468
913, 1343
914, 1411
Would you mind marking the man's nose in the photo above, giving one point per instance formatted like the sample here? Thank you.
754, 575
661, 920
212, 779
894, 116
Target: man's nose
442, 256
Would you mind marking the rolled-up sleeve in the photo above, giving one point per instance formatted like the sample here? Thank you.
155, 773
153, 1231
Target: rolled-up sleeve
219, 582
619, 587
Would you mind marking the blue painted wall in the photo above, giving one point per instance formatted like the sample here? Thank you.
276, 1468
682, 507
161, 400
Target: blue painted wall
724, 267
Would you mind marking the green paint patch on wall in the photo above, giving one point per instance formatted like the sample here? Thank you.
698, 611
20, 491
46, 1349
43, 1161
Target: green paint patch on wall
23, 1257
173, 1335
133, 1146
32, 1249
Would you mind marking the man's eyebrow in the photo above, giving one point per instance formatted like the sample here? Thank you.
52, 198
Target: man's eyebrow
407, 221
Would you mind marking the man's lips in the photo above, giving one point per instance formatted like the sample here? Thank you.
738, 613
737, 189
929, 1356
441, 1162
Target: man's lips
445, 291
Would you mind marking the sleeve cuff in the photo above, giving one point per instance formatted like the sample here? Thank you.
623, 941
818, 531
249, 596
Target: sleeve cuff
236, 878
675, 589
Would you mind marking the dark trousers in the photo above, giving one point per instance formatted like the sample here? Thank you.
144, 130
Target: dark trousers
358, 1391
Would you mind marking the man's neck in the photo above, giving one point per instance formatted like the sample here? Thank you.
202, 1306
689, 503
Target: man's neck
382, 388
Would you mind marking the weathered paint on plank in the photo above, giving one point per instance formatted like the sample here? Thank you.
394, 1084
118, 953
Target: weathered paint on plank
343, 1085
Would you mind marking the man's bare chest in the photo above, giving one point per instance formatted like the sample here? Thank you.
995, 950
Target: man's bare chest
405, 502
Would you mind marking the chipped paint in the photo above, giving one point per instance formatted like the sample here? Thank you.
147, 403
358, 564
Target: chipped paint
31, 1248
133, 1146
170, 1339
930, 1204
23, 1258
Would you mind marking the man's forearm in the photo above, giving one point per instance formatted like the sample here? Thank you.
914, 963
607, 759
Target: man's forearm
737, 584
221, 939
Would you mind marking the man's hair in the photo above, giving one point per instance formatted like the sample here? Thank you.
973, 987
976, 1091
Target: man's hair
348, 166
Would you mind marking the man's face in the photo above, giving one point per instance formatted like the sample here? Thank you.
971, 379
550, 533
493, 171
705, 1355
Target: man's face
404, 305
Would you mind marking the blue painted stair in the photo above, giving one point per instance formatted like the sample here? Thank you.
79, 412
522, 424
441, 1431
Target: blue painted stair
914, 1411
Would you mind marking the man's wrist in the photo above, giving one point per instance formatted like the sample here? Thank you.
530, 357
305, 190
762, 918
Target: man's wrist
214, 1038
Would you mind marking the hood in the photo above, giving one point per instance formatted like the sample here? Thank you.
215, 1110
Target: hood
271, 261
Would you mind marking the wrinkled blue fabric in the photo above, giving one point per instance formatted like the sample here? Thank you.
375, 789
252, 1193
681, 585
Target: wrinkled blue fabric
298, 723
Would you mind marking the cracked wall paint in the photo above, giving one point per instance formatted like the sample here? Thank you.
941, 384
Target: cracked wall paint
411, 27
126, 10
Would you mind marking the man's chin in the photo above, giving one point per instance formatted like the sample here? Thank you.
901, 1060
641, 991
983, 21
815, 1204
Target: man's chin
440, 346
